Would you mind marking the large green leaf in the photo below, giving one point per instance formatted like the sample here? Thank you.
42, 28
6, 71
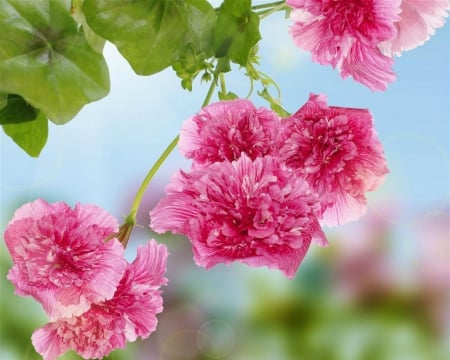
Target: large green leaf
237, 31
97, 42
16, 110
28, 127
45, 58
148, 33
201, 19
3, 100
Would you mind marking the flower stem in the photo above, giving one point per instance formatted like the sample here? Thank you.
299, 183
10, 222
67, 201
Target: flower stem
131, 218
280, 6
223, 87
211, 89
267, 5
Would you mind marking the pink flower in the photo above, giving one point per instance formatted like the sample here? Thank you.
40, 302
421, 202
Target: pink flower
223, 130
60, 256
256, 212
418, 21
338, 153
110, 324
347, 35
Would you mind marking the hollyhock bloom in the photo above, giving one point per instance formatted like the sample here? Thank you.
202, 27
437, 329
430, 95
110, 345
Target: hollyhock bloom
224, 130
418, 21
110, 324
60, 256
256, 212
338, 153
347, 35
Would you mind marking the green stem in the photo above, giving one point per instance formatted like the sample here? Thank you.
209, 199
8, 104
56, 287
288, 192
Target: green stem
251, 88
264, 13
271, 81
223, 87
131, 218
267, 5
211, 89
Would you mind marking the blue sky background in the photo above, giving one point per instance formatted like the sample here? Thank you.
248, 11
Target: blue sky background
103, 154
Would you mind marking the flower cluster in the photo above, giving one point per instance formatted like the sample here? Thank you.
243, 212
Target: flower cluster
259, 197
360, 37
94, 299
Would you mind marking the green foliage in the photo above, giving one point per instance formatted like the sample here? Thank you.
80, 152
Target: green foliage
51, 52
227, 95
147, 33
16, 110
92, 38
46, 59
193, 57
27, 126
151, 34
190, 65
237, 31
3, 100
275, 104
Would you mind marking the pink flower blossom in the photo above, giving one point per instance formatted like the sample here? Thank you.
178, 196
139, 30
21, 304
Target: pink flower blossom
60, 256
347, 35
418, 21
223, 130
256, 212
110, 324
337, 151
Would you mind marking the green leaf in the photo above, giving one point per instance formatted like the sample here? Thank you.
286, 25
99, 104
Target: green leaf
201, 19
223, 65
17, 110
31, 136
237, 31
3, 100
46, 59
148, 33
227, 96
96, 42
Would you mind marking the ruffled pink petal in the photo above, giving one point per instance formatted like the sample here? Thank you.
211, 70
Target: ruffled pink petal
109, 324
48, 343
338, 152
419, 20
245, 210
171, 213
223, 130
38, 209
92, 215
94, 334
347, 36
138, 297
344, 210
60, 256
367, 65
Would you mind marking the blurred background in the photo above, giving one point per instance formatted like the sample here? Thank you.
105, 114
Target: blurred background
380, 290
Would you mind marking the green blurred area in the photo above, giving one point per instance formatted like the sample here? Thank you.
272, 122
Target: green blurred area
349, 301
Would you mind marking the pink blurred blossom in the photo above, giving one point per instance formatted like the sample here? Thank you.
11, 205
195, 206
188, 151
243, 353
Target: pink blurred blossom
337, 151
256, 212
60, 256
223, 130
433, 245
108, 325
